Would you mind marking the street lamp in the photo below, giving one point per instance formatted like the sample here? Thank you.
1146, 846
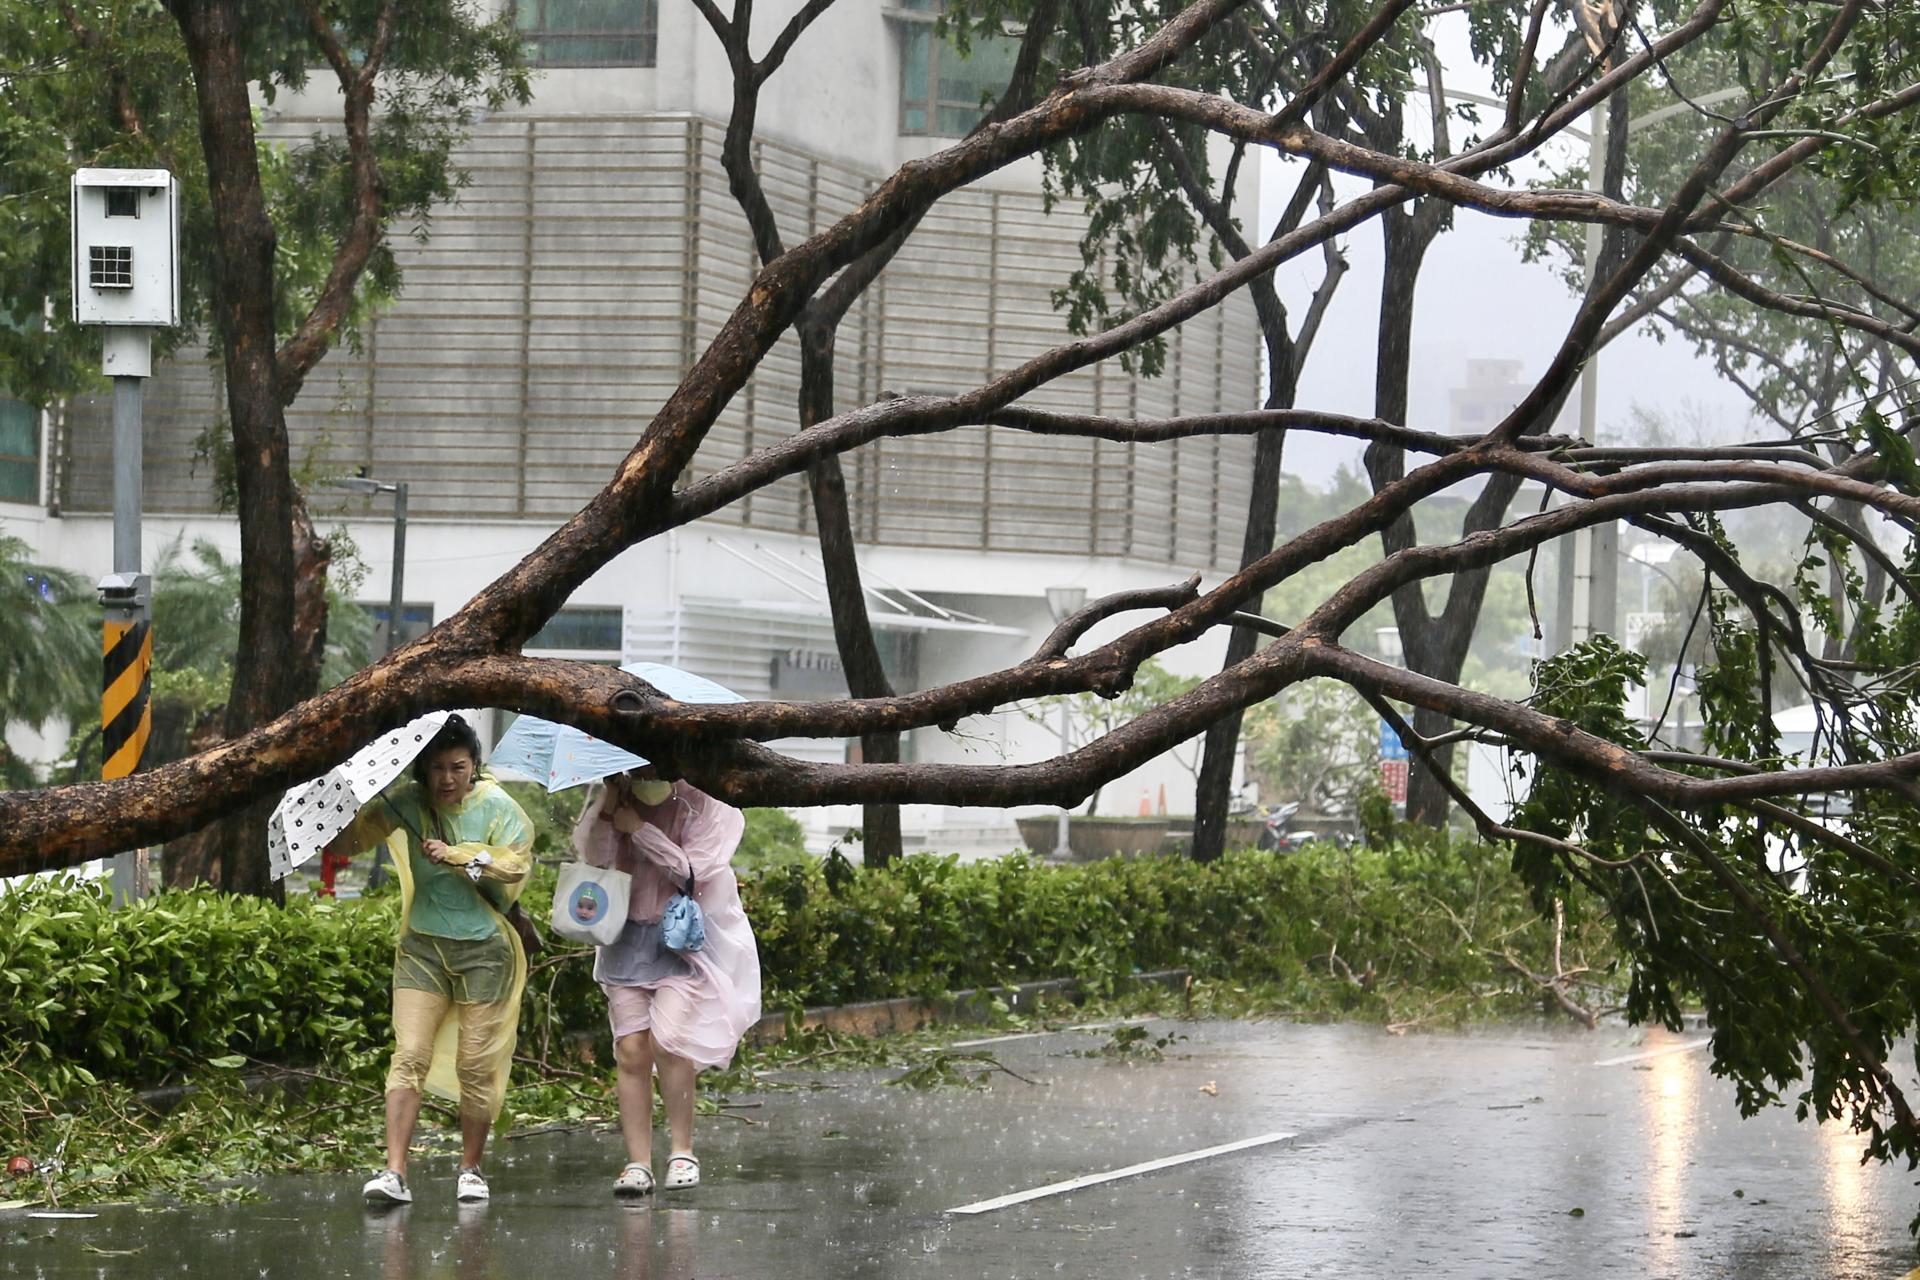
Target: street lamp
361, 484
395, 591
1595, 550
1589, 556
1063, 603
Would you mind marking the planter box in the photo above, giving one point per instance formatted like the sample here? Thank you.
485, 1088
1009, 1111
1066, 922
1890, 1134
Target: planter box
1096, 838
1242, 833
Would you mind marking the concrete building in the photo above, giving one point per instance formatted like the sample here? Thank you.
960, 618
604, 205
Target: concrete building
596, 251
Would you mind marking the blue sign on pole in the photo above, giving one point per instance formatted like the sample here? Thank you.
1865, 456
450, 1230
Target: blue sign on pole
1391, 748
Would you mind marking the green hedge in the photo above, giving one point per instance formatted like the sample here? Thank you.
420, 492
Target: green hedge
832, 934
187, 977
183, 977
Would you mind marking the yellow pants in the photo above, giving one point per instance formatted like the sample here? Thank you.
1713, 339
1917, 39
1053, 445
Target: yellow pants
416, 1020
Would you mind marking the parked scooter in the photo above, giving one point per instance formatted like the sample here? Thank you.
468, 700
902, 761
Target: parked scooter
1276, 832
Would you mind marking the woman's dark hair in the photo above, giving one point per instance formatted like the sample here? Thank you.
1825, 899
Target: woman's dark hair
456, 732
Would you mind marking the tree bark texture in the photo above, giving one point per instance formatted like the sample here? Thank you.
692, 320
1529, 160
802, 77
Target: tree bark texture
1438, 646
243, 289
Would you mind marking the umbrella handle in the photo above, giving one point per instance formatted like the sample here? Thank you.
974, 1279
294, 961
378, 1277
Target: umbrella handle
400, 817
472, 869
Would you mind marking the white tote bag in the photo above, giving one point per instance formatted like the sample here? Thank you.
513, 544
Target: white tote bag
590, 903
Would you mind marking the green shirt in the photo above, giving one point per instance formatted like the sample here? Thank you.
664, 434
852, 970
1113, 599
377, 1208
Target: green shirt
447, 903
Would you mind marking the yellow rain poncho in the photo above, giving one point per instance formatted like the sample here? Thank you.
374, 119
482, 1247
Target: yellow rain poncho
487, 822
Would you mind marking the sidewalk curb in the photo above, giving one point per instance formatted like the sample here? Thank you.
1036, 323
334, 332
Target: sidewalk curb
911, 1013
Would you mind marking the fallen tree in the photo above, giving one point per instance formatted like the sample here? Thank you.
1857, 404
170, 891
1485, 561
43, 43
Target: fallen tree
1685, 852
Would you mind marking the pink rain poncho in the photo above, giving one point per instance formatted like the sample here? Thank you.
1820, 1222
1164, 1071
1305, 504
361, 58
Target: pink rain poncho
700, 1015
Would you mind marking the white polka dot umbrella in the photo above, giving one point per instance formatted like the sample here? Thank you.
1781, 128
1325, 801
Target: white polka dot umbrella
315, 812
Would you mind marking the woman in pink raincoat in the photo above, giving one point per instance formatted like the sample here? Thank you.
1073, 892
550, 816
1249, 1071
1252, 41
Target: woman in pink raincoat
672, 1013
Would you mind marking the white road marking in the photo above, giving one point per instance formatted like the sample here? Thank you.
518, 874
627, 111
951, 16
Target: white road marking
1034, 1035
1688, 1047
1113, 1175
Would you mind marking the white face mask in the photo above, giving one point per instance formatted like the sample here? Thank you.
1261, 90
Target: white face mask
652, 791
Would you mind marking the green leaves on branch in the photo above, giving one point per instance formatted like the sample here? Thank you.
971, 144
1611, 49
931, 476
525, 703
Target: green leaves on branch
1727, 905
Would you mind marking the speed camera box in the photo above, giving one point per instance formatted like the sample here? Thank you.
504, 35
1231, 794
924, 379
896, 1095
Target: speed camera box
126, 247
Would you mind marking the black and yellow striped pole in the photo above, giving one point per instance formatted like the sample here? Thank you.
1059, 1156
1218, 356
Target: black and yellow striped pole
126, 691
126, 700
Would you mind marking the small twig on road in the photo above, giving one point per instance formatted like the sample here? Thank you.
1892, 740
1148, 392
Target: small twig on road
566, 1126
552, 1070
995, 1063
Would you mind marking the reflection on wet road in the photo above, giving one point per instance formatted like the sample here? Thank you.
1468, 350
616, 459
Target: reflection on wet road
1521, 1151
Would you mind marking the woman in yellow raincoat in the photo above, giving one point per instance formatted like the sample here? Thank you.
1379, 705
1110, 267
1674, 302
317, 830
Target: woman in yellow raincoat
462, 849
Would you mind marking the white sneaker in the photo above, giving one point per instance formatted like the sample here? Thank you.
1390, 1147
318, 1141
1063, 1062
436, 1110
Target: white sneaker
472, 1186
387, 1187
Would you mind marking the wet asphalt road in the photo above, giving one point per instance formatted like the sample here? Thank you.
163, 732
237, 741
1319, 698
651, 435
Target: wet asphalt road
1428, 1155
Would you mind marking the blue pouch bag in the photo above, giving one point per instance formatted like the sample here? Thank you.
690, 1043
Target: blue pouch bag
682, 927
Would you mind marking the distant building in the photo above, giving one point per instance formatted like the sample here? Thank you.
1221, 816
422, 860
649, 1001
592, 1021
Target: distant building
1493, 388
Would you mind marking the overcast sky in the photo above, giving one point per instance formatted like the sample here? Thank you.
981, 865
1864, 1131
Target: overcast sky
1476, 299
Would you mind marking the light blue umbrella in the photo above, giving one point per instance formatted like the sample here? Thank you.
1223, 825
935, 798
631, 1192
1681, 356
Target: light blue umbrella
561, 756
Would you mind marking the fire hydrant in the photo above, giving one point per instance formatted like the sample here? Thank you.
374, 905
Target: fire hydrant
331, 864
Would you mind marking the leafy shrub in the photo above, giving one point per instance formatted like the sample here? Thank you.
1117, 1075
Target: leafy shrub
772, 835
1428, 914
88, 990
191, 976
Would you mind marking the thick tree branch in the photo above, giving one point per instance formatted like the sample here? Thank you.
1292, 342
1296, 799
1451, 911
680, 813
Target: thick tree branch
311, 341
1082, 620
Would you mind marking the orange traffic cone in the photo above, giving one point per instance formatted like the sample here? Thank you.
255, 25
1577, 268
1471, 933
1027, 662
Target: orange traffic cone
1145, 809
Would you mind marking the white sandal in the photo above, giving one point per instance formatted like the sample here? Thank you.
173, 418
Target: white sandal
634, 1180
682, 1171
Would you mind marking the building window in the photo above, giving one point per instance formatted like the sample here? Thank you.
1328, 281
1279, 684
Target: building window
415, 621
590, 630
942, 91
814, 673
588, 33
19, 452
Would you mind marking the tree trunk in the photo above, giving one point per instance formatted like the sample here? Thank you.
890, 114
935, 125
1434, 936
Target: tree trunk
852, 629
265, 682
1407, 237
1438, 647
1213, 791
